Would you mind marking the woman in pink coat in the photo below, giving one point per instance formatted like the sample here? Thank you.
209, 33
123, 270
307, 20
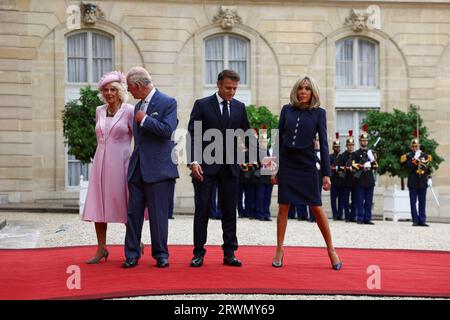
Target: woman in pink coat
107, 196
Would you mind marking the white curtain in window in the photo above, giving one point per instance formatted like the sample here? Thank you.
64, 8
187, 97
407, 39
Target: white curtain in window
344, 63
367, 64
77, 58
238, 57
101, 56
214, 59
75, 169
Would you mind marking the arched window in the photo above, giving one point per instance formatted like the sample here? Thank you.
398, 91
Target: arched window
89, 55
357, 84
226, 52
356, 63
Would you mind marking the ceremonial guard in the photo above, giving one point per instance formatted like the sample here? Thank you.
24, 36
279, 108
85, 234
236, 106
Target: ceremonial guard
419, 178
365, 164
336, 189
348, 186
264, 187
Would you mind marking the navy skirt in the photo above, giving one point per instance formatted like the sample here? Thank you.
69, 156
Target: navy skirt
298, 178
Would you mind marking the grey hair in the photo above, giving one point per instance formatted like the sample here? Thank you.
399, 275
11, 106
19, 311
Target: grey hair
315, 99
121, 90
139, 75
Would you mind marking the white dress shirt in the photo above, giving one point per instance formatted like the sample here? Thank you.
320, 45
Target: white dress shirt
145, 103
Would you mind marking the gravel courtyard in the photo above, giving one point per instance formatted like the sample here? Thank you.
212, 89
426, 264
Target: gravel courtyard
25, 230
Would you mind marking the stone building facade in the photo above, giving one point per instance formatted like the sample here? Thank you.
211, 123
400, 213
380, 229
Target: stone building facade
365, 55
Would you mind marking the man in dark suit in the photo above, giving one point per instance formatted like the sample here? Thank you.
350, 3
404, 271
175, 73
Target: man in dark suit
221, 112
151, 172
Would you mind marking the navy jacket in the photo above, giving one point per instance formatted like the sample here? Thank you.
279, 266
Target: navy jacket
366, 178
152, 142
298, 128
415, 180
207, 111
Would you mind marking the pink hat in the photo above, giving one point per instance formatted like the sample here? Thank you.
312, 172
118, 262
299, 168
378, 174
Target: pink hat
113, 76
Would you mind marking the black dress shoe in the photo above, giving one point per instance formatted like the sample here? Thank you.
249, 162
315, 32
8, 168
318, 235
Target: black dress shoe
369, 222
423, 225
197, 261
232, 261
360, 222
130, 263
415, 224
162, 263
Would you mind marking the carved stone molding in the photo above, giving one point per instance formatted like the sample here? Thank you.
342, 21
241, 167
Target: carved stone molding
357, 20
90, 13
227, 17
360, 20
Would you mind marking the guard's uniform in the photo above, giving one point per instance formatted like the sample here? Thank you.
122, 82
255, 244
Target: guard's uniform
348, 186
365, 185
336, 184
419, 170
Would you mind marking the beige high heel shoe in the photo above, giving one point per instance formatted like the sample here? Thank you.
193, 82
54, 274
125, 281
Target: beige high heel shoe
97, 259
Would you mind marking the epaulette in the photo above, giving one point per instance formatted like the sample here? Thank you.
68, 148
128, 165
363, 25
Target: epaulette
430, 158
403, 158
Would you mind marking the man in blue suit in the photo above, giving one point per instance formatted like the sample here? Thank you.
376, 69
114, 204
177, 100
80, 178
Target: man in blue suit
151, 172
220, 112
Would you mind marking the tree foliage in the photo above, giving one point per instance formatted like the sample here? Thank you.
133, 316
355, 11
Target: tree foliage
396, 130
261, 118
78, 119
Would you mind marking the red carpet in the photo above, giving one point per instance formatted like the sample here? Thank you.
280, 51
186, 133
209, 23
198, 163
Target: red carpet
41, 273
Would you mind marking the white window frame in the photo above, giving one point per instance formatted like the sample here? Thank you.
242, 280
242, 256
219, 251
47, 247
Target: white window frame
244, 90
356, 125
89, 57
226, 59
355, 63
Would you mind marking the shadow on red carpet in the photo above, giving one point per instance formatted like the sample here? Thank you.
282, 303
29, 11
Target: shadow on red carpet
51, 273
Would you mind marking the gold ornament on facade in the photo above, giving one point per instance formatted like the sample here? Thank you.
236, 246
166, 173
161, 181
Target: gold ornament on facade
227, 17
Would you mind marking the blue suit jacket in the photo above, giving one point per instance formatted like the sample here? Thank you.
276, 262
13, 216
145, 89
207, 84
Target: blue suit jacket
152, 141
207, 111
298, 128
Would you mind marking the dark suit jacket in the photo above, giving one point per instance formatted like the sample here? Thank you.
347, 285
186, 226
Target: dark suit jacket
207, 111
298, 128
152, 142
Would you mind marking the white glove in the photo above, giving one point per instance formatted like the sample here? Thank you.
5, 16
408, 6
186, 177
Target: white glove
370, 156
430, 182
317, 166
417, 154
367, 165
337, 168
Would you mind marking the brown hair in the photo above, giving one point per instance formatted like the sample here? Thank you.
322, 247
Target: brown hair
315, 99
230, 74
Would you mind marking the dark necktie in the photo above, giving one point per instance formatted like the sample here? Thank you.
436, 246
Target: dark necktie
225, 114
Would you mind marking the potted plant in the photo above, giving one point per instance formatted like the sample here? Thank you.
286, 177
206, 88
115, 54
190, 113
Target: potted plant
394, 131
78, 119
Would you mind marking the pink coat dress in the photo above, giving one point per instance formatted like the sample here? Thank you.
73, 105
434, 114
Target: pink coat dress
107, 196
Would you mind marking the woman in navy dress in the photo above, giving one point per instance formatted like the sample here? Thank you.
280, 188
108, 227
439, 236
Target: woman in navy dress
297, 176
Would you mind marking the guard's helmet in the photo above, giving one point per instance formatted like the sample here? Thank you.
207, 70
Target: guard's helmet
415, 142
